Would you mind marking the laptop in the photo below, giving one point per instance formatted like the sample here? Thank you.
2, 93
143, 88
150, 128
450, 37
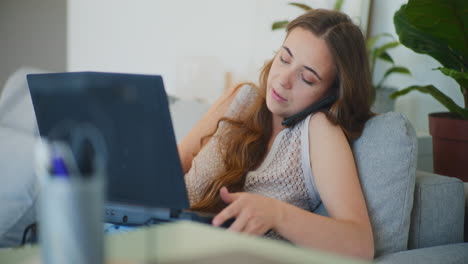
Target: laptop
145, 181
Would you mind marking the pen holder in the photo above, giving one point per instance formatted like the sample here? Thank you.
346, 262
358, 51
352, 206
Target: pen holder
71, 220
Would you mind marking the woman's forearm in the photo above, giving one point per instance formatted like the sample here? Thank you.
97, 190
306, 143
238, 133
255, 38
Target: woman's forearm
310, 230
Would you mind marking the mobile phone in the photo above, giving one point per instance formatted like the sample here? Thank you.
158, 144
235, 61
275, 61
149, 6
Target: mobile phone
322, 103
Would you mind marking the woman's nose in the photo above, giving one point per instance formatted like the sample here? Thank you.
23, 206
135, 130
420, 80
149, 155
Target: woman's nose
286, 79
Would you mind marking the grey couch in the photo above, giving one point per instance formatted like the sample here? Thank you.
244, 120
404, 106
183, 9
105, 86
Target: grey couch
416, 217
436, 226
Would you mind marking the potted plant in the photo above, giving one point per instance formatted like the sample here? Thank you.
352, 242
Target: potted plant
381, 93
382, 102
439, 28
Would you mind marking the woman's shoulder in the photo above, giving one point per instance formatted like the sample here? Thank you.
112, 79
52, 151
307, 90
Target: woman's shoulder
320, 126
243, 91
242, 95
325, 138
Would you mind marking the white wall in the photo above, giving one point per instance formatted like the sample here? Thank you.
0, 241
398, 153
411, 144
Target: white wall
414, 105
191, 43
181, 40
32, 33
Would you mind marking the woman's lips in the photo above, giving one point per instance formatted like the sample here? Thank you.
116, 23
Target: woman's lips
276, 96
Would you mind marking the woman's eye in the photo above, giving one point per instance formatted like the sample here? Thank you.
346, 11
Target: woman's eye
307, 82
283, 60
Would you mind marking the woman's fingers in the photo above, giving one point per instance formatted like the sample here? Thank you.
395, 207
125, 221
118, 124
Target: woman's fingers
254, 228
239, 223
226, 195
229, 212
253, 214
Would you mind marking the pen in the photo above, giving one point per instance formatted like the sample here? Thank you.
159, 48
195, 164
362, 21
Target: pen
62, 162
54, 159
59, 169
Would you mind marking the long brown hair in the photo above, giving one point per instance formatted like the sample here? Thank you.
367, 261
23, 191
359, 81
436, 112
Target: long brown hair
248, 136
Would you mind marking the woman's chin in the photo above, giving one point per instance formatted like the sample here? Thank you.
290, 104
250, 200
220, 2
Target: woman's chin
277, 111
272, 106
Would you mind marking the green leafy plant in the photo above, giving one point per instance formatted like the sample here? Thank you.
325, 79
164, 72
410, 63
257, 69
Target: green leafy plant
283, 23
375, 52
438, 28
381, 52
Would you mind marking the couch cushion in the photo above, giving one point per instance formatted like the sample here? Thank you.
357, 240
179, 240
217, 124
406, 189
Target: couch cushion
18, 133
16, 109
447, 254
385, 156
438, 211
19, 189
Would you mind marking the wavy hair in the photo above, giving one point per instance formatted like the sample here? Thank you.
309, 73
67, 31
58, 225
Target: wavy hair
248, 136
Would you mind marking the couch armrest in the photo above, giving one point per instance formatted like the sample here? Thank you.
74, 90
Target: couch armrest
447, 254
438, 211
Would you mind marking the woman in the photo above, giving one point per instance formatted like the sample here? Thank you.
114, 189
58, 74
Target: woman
270, 177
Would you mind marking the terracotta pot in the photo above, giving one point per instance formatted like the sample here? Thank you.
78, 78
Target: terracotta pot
449, 145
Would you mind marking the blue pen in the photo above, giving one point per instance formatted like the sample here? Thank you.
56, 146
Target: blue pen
61, 162
59, 168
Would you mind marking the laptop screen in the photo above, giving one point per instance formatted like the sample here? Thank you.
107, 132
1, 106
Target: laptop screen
131, 112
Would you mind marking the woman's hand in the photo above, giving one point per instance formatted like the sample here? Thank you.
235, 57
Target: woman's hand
254, 214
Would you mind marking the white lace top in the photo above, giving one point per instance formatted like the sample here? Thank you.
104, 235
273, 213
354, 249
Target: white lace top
285, 174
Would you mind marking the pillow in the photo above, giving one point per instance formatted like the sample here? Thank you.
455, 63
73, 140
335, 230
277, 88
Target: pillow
386, 157
19, 187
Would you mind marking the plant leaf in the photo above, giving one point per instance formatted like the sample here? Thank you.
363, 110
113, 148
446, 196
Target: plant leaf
392, 70
338, 5
397, 69
386, 57
372, 40
453, 73
438, 95
390, 45
279, 24
378, 51
460, 77
301, 6
423, 41
445, 20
